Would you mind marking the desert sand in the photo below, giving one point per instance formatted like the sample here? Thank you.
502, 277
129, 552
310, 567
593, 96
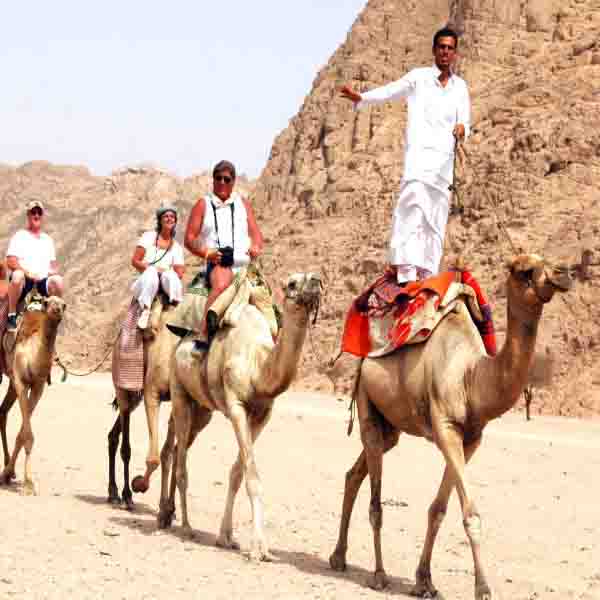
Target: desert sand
536, 486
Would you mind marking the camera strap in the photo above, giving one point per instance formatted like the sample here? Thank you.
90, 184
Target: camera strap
217, 225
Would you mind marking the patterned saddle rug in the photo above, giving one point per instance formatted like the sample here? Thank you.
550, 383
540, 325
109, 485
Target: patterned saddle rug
386, 316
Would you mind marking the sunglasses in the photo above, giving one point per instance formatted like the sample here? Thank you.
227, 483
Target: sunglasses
36, 212
223, 179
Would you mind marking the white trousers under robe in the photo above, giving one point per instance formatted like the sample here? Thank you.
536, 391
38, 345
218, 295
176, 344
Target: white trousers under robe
145, 287
418, 228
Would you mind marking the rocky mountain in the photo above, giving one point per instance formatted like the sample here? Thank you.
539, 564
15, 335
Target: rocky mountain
528, 180
528, 177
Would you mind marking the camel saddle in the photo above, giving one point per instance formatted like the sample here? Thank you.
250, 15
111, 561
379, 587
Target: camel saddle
248, 287
387, 315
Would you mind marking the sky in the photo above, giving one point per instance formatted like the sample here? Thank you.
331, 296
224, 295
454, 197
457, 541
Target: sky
179, 84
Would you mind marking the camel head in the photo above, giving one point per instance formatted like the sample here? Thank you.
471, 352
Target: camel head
303, 290
532, 283
54, 307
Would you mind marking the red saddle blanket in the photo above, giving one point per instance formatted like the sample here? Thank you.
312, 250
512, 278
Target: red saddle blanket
387, 316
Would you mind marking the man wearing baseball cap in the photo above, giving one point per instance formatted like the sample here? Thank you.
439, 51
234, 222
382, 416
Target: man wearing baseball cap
31, 260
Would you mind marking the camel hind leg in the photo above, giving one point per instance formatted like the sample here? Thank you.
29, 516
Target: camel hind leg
113, 445
354, 478
127, 402
7, 404
371, 433
200, 419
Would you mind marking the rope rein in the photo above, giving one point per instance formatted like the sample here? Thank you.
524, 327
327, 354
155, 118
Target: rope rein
66, 371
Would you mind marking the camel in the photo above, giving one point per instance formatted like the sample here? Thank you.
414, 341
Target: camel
158, 346
241, 376
445, 390
29, 364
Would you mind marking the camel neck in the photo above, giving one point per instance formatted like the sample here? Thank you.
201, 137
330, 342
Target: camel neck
49, 330
281, 365
503, 378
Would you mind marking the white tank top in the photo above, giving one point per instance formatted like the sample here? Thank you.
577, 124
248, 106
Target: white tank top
228, 225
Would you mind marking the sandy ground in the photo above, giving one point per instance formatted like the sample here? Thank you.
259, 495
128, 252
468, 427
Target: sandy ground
537, 486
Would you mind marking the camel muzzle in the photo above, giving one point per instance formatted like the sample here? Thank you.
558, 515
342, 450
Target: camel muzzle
560, 278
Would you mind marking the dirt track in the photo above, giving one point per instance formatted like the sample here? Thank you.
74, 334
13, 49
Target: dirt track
536, 484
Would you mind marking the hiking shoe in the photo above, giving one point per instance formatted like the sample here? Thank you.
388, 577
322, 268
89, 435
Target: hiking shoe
11, 323
200, 348
144, 319
212, 324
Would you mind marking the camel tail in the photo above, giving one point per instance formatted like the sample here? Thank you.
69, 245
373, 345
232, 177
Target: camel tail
352, 407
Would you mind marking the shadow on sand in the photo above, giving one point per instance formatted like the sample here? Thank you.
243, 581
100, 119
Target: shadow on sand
308, 563
139, 509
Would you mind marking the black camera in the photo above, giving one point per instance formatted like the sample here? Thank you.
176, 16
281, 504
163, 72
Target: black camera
226, 256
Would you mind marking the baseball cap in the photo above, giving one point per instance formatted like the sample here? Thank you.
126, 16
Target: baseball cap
34, 204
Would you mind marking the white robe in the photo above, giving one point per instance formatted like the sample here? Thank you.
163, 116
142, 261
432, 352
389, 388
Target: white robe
421, 213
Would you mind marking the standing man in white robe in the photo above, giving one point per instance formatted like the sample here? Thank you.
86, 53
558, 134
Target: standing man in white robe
439, 113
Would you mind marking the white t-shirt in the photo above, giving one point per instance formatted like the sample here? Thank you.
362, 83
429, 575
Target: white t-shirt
34, 253
168, 258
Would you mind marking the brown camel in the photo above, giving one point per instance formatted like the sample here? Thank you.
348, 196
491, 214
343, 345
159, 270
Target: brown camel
158, 347
28, 366
445, 390
241, 376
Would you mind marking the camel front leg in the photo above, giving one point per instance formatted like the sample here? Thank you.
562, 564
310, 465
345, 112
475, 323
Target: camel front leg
7, 403
27, 403
241, 426
152, 405
424, 587
450, 441
354, 478
226, 539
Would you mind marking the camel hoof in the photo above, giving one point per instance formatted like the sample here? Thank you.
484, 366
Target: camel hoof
260, 554
165, 519
187, 532
139, 484
379, 581
7, 477
483, 592
114, 500
337, 562
228, 542
424, 589
29, 489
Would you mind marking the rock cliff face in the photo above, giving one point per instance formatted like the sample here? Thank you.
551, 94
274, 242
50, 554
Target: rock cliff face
528, 177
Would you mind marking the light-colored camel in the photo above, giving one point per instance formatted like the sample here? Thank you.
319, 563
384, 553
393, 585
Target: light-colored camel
243, 373
159, 343
446, 390
28, 364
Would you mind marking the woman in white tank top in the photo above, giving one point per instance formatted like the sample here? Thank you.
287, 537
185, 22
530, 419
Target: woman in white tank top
222, 229
159, 260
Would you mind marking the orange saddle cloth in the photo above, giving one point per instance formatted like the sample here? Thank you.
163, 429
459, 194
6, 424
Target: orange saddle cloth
387, 316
